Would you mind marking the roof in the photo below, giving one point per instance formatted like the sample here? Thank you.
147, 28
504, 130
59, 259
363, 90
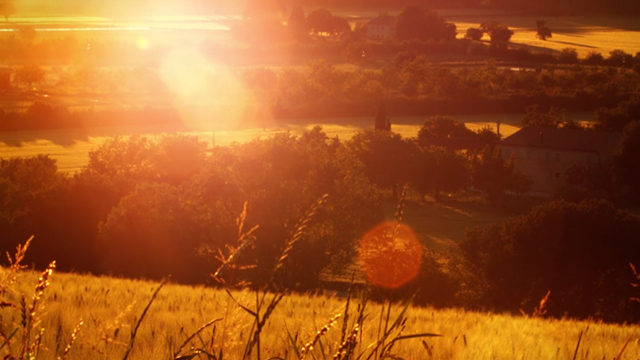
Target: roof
383, 20
601, 142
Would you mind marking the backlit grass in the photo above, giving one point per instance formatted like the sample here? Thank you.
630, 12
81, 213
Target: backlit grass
110, 307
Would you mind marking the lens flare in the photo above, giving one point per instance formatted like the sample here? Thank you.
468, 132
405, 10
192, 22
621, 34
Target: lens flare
390, 255
143, 43
207, 95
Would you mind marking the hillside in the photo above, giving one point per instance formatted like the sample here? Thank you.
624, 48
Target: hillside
110, 308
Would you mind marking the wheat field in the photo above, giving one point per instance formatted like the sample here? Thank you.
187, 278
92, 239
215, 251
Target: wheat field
109, 309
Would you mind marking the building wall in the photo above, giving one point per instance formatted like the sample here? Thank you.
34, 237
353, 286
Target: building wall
379, 32
546, 168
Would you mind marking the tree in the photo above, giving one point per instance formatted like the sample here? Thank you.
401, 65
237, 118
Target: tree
436, 169
543, 32
297, 24
7, 8
495, 175
589, 181
616, 118
414, 22
437, 130
150, 234
568, 56
593, 58
534, 117
619, 58
385, 156
626, 164
474, 34
29, 75
496, 31
383, 122
320, 21
579, 252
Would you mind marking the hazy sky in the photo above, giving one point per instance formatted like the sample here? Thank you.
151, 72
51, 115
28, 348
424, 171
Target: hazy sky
123, 7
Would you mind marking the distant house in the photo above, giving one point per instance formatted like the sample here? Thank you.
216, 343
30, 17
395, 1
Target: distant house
381, 27
545, 154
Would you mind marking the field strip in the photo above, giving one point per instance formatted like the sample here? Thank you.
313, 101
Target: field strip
71, 147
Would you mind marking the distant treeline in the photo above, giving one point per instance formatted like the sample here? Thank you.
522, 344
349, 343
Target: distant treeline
409, 85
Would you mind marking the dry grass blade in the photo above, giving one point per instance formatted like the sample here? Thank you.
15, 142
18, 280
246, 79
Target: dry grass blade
541, 310
320, 333
399, 212
134, 332
244, 241
189, 338
300, 228
74, 335
624, 347
30, 315
348, 345
575, 353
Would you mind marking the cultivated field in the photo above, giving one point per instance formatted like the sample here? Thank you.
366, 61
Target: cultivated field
110, 308
602, 33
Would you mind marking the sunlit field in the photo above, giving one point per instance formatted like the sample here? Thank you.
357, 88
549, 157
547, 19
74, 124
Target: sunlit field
110, 308
584, 33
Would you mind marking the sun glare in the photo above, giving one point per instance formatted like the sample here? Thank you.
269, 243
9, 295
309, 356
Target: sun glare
207, 95
390, 255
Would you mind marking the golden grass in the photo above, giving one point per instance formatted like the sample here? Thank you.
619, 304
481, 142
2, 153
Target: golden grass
111, 307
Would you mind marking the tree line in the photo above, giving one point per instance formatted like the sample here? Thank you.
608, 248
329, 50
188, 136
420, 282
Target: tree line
410, 85
145, 208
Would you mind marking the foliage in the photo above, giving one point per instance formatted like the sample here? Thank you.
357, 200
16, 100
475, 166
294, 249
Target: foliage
436, 169
322, 21
385, 156
414, 22
29, 75
543, 32
436, 130
496, 31
297, 24
183, 214
626, 166
494, 175
616, 118
534, 117
474, 34
7, 8
590, 181
579, 252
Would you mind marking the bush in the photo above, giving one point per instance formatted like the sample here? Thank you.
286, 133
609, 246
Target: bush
579, 252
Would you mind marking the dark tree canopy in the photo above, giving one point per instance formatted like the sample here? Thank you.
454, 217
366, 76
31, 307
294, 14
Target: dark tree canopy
627, 160
474, 34
579, 252
414, 22
437, 130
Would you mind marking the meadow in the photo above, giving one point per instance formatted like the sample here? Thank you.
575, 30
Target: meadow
110, 308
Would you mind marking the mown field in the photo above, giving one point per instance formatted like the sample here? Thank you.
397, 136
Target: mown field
110, 309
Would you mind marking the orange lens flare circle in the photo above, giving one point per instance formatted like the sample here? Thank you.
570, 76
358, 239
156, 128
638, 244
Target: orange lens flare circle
390, 255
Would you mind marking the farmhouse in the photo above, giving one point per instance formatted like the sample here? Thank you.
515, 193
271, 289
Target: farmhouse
545, 154
381, 27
